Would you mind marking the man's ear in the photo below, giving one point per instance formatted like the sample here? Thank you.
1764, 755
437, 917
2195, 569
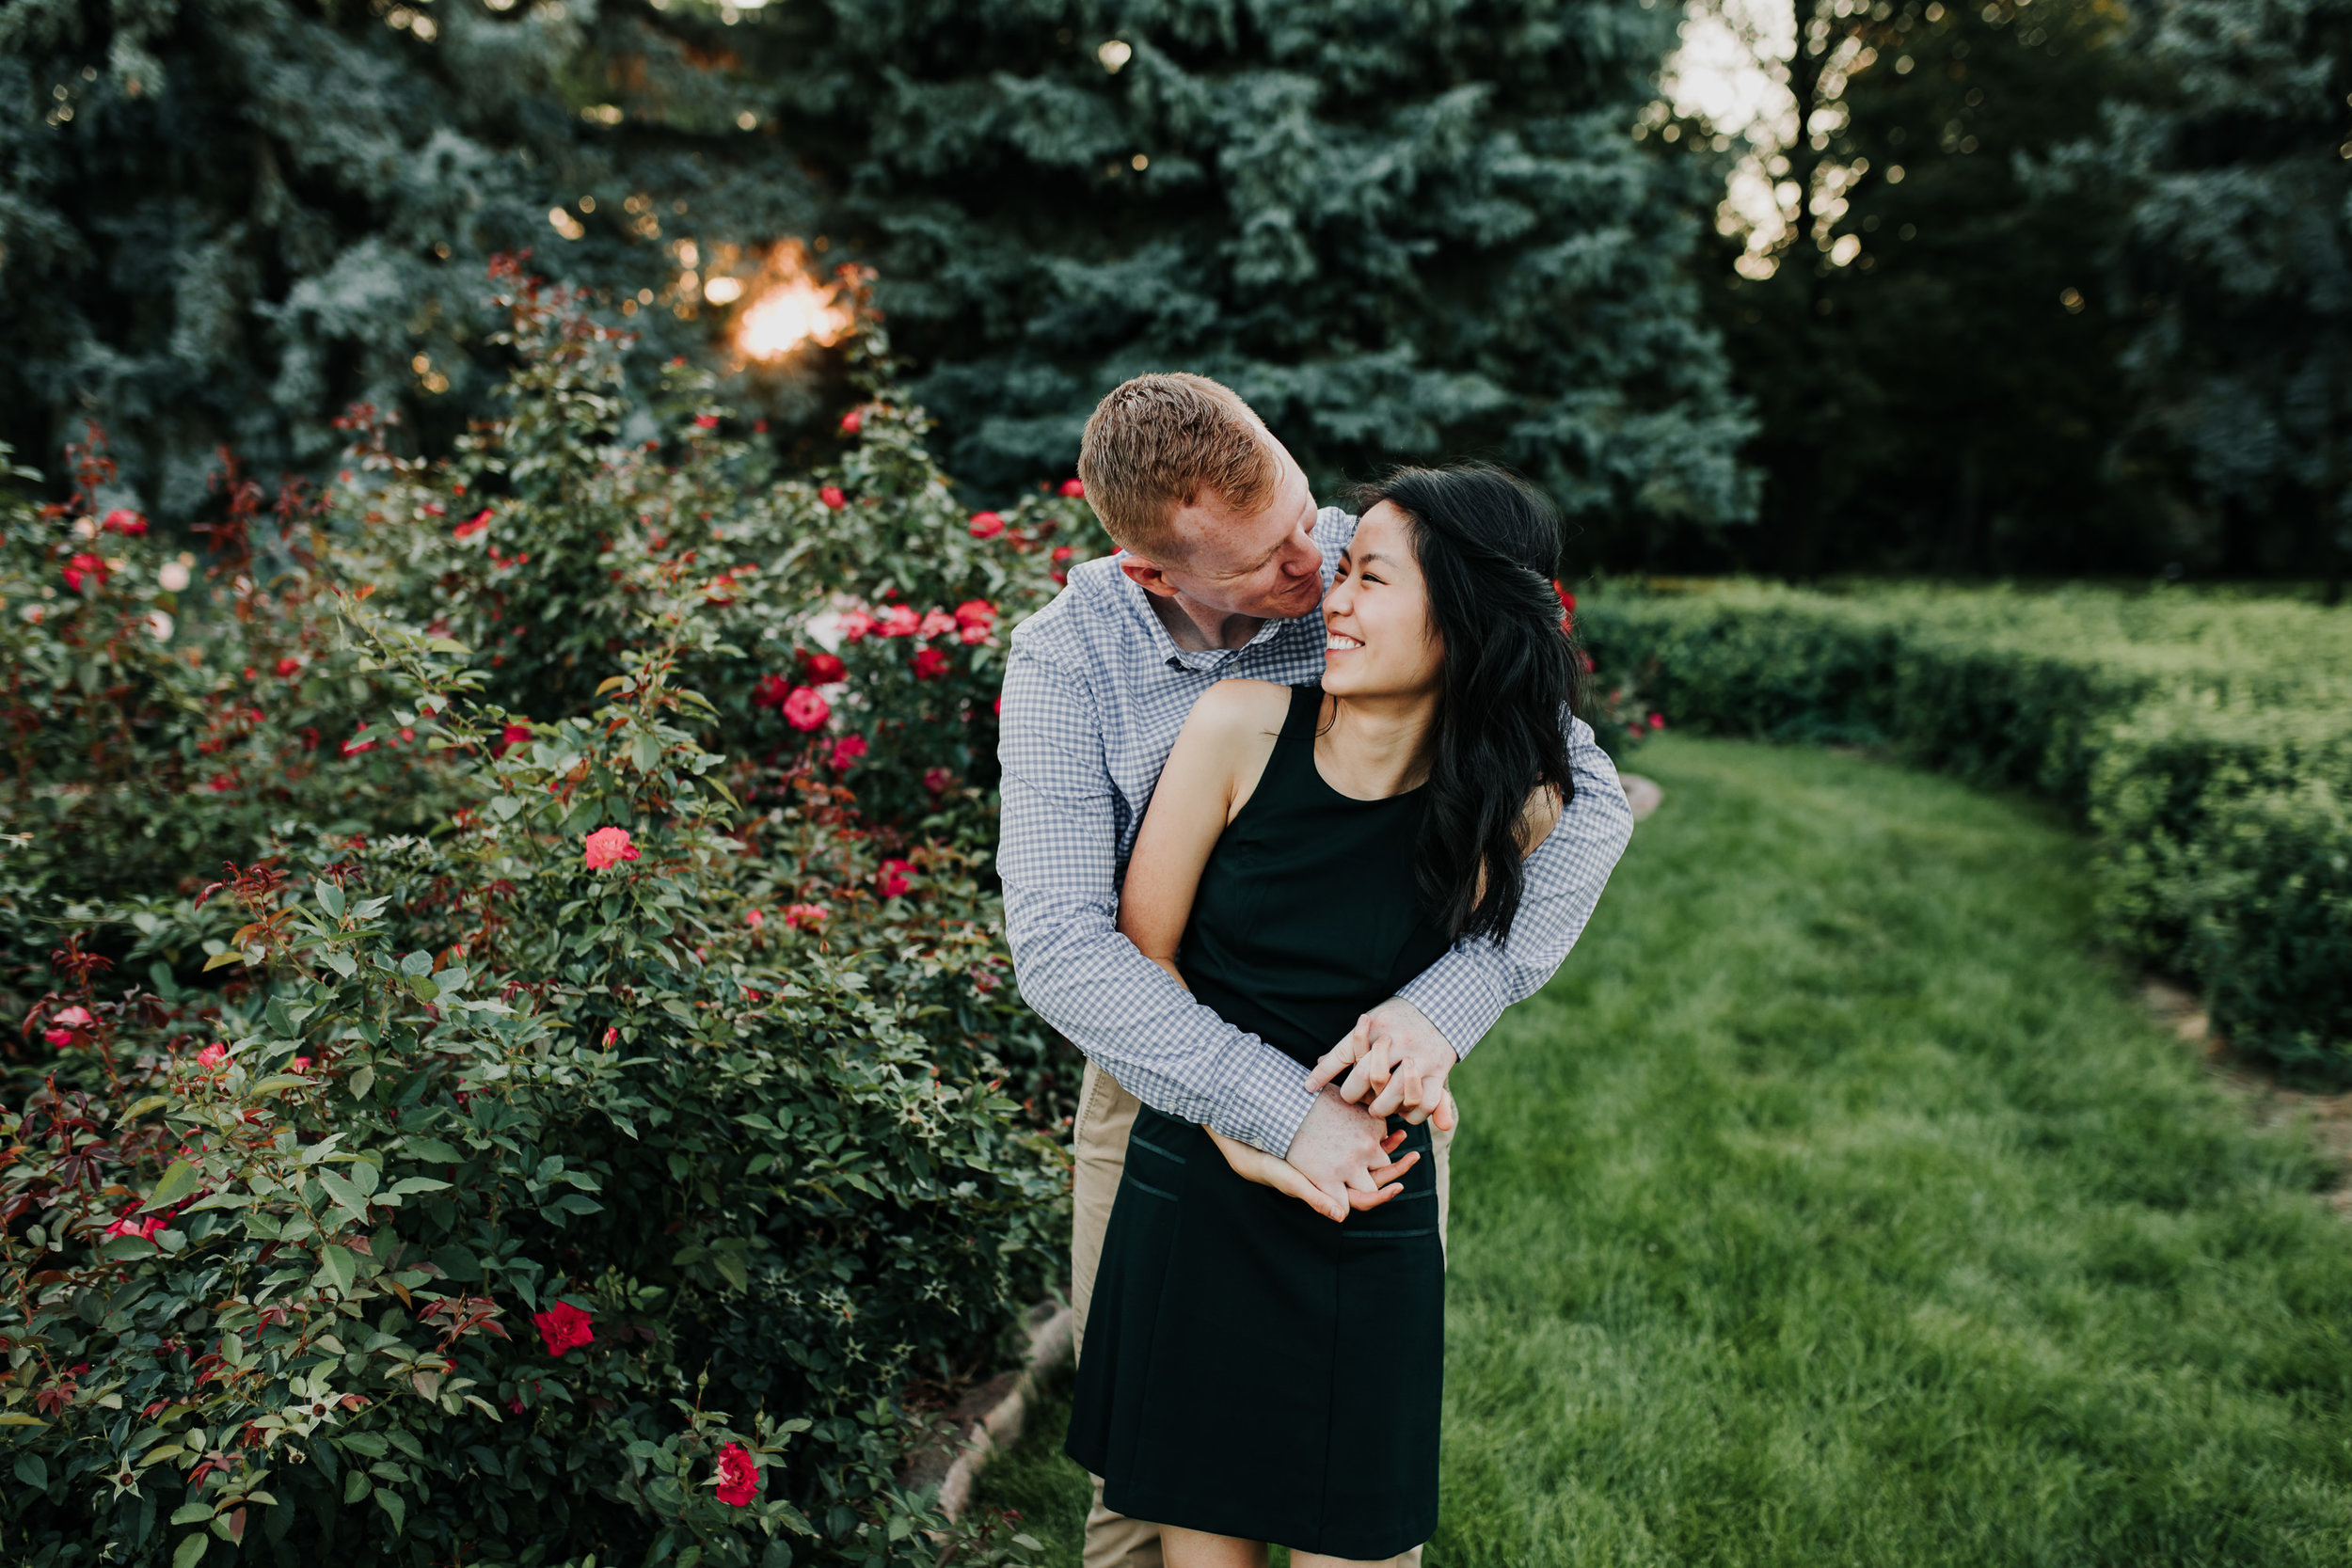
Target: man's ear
1146, 575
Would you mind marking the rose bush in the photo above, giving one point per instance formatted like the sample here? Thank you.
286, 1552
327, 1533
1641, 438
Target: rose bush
589, 1115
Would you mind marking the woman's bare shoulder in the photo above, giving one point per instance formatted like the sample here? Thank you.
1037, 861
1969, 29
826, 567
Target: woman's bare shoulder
1232, 710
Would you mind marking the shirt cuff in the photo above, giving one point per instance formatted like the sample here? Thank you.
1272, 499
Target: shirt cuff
1267, 1102
1462, 1013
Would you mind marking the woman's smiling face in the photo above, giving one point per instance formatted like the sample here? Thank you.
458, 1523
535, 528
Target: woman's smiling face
1378, 638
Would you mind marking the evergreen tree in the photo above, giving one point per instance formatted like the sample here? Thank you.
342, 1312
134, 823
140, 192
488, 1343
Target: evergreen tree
1400, 232
1921, 330
1403, 232
2236, 268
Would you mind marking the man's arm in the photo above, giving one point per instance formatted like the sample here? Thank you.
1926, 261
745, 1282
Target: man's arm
1464, 992
1057, 858
1401, 1052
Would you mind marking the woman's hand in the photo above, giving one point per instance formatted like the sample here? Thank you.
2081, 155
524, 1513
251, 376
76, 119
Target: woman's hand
1253, 1164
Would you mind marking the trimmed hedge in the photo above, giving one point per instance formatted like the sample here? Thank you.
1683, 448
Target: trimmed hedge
2205, 737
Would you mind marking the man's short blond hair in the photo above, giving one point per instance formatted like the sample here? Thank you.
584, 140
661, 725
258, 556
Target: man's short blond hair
1158, 443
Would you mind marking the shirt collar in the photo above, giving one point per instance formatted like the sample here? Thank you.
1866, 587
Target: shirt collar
1164, 648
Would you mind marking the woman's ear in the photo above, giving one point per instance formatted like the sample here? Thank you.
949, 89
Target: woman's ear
1146, 575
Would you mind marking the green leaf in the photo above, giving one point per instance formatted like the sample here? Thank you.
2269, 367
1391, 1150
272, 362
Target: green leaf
178, 1182
507, 807
407, 1184
13, 1419
278, 1083
32, 1471
421, 988
391, 1504
447, 645
192, 1550
216, 961
336, 1266
330, 896
356, 1486
191, 1513
139, 1107
430, 1148
340, 963
347, 1197
368, 1443
416, 963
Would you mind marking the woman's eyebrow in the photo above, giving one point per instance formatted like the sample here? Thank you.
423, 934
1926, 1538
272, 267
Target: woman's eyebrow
1375, 555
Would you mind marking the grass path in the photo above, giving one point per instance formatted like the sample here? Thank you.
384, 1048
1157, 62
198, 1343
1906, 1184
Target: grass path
1835, 1205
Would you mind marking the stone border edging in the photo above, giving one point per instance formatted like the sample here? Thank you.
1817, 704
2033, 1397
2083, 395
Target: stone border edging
1642, 794
992, 1415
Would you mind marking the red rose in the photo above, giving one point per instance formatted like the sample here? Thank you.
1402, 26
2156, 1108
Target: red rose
893, 880
851, 422
986, 525
770, 692
512, 737
705, 421
856, 624
831, 495
823, 669
564, 1328
121, 521
84, 564
738, 1477
804, 709
1657, 720
936, 780
472, 525
352, 747
930, 664
1074, 488
848, 750
287, 667
936, 622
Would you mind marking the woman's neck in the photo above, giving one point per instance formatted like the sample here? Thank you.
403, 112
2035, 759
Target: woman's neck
1371, 747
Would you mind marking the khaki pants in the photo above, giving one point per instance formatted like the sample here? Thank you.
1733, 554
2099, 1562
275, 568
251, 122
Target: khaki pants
1107, 1114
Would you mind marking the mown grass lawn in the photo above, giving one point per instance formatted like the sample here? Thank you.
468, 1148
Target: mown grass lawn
1836, 1205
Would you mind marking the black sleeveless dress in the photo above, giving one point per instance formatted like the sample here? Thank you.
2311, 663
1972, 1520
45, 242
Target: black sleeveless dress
1250, 1367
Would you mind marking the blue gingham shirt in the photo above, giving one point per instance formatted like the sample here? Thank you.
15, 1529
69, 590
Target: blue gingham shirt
1095, 694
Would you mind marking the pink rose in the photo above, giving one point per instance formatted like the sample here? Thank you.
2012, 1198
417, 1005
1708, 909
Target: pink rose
804, 709
897, 621
851, 422
893, 880
976, 613
611, 1038
754, 918
74, 1018
1075, 489
831, 495
848, 750
936, 622
987, 525
57, 1039
609, 847
806, 918
856, 624
705, 421
121, 521
936, 780
212, 1055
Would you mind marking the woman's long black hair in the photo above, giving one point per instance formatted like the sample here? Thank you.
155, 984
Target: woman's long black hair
1488, 545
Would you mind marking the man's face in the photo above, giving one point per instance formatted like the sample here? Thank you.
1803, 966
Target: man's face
1262, 564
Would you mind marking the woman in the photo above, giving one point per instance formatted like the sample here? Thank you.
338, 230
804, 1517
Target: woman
1251, 1371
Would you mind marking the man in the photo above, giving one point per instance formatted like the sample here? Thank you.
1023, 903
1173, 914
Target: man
1224, 560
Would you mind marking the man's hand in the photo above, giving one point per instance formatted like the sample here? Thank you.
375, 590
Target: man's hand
1252, 1164
1341, 1156
1397, 1056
